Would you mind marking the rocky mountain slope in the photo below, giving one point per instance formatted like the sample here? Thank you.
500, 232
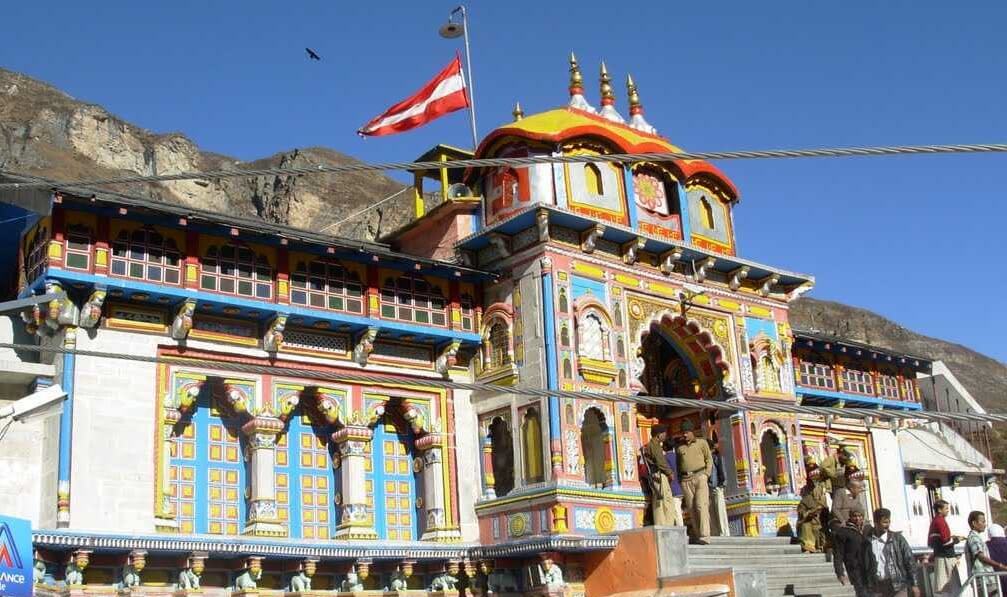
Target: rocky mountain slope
45, 132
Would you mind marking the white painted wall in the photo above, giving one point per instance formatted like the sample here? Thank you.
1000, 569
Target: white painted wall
891, 477
21, 463
469, 468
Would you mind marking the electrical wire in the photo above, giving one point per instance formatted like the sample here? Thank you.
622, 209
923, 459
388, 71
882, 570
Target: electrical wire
867, 414
617, 158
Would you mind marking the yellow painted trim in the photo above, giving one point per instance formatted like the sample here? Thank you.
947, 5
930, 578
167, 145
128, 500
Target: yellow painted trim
729, 305
627, 280
589, 270
759, 311
662, 289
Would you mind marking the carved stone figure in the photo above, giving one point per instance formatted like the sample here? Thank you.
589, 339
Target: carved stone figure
182, 323
188, 579
444, 582
249, 578
90, 313
39, 572
74, 575
399, 582
300, 582
365, 346
352, 583
273, 339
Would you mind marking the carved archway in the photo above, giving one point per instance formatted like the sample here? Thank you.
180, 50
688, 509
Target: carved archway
670, 338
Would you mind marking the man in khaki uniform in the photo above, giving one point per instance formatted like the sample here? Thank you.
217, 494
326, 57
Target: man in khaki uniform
661, 500
695, 463
809, 511
834, 469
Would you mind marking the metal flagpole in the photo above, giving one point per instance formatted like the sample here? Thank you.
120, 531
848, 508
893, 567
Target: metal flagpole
450, 30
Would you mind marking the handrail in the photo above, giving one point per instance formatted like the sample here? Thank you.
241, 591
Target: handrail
970, 582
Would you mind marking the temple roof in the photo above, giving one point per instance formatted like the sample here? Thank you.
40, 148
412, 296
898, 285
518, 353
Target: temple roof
563, 124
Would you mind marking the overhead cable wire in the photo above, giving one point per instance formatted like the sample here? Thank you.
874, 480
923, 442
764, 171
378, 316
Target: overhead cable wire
868, 414
617, 158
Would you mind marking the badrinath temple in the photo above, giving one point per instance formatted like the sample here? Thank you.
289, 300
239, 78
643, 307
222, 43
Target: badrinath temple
242, 450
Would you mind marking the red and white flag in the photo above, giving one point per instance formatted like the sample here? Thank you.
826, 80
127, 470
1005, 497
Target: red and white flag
443, 94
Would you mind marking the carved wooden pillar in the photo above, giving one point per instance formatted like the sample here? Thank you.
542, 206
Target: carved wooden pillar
356, 521
262, 517
434, 500
489, 480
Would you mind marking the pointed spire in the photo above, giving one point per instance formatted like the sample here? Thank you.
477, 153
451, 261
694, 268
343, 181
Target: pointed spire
518, 112
577, 87
608, 98
636, 119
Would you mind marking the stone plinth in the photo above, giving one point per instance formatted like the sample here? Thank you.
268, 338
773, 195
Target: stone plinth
369, 593
311, 593
187, 593
547, 592
405, 593
142, 591
451, 593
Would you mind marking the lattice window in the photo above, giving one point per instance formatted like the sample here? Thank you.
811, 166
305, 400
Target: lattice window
468, 313
78, 248
593, 338
225, 490
909, 388
36, 254
237, 270
298, 338
411, 298
316, 493
499, 345
326, 285
183, 479
145, 254
860, 382
817, 375
888, 386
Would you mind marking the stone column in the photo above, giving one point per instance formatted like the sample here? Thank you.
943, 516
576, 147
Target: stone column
436, 528
357, 520
262, 517
489, 480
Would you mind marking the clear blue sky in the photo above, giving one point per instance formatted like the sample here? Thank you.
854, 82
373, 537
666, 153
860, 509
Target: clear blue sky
917, 239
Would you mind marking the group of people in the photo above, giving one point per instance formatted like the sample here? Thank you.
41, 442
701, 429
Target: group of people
981, 556
687, 465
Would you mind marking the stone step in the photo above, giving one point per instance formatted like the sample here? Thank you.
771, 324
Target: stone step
750, 540
768, 560
731, 548
804, 581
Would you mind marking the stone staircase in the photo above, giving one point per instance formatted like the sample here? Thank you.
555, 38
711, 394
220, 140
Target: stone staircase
788, 571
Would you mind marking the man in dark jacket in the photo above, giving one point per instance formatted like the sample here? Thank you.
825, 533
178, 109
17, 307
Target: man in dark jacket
892, 569
851, 553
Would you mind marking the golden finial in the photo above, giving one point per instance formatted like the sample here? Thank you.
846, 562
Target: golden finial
634, 97
607, 97
518, 112
576, 79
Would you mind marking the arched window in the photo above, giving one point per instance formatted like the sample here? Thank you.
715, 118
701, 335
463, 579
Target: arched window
503, 457
568, 413
564, 335
593, 337
145, 254
567, 369
498, 345
706, 213
411, 298
624, 421
78, 248
236, 269
593, 440
564, 303
36, 254
620, 348
617, 314
326, 285
593, 180
622, 378
531, 438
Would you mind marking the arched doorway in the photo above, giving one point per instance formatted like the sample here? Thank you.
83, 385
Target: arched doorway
769, 448
502, 447
594, 434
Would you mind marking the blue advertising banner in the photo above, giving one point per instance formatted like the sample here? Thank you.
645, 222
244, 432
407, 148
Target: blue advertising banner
15, 557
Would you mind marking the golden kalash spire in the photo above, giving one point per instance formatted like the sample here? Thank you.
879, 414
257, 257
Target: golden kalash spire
577, 87
608, 98
518, 113
636, 119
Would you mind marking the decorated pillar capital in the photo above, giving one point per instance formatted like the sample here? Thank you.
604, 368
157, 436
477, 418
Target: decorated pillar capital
356, 521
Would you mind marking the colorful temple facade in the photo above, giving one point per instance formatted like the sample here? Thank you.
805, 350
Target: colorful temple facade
244, 444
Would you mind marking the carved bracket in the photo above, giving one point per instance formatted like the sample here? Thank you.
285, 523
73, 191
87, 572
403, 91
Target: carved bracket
589, 238
542, 222
365, 346
766, 284
631, 250
499, 242
701, 267
272, 340
236, 397
448, 357
668, 260
90, 313
465, 258
182, 323
738, 276
328, 406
